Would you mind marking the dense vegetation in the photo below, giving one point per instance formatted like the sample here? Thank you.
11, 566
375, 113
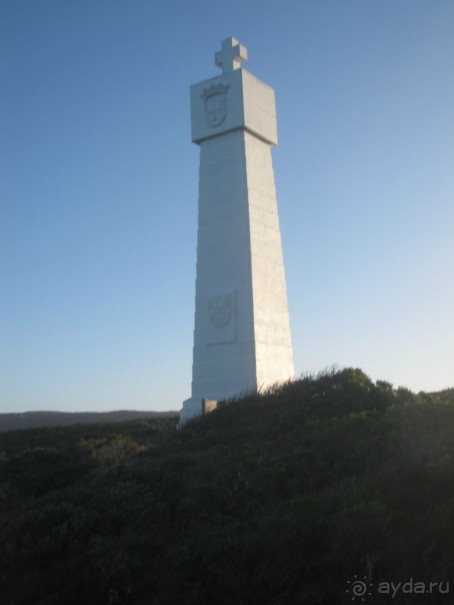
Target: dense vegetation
277, 498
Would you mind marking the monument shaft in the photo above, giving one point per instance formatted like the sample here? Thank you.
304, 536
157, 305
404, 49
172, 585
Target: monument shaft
241, 336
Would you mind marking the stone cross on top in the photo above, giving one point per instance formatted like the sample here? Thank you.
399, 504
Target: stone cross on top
231, 56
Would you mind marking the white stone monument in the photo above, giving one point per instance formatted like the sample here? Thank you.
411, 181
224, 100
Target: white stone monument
242, 335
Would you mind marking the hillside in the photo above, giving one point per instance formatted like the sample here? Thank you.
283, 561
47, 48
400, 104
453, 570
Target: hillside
32, 420
295, 496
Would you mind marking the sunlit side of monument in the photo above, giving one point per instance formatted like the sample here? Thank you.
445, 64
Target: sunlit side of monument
241, 336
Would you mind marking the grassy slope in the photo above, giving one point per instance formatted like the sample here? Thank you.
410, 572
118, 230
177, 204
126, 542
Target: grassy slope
279, 498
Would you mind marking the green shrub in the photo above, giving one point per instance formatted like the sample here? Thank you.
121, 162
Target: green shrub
280, 497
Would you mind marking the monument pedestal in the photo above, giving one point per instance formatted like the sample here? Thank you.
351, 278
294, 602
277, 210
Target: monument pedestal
192, 408
242, 336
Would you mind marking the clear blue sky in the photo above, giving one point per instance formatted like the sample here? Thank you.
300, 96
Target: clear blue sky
99, 178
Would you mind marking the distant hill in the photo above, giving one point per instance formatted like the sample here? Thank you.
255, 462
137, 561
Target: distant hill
32, 420
323, 491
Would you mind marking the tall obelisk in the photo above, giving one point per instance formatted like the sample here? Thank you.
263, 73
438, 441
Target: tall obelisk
242, 335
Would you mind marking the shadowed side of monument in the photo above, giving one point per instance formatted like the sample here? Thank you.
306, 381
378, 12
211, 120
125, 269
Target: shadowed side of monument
241, 336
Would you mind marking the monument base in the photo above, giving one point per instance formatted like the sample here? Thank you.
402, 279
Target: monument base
192, 408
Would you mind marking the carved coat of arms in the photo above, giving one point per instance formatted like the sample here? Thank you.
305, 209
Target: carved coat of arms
215, 98
220, 310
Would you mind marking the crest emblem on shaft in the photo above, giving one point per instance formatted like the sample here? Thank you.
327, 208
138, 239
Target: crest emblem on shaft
220, 310
215, 98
